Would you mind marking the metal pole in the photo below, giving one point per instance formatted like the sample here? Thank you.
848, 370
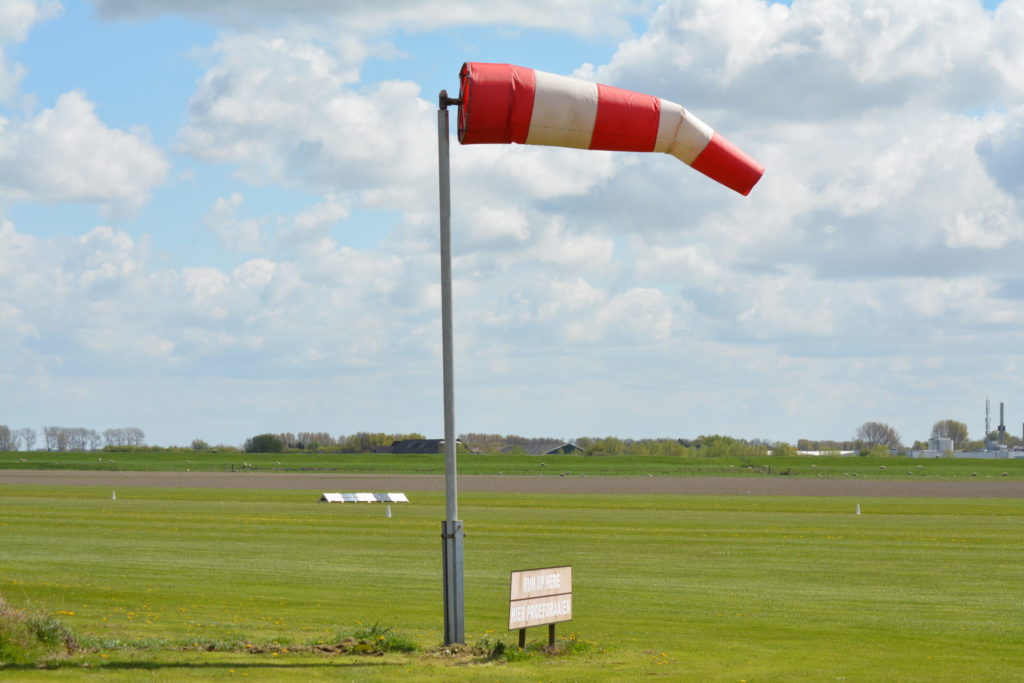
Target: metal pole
451, 529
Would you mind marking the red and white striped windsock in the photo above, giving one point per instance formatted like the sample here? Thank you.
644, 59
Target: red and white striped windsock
502, 103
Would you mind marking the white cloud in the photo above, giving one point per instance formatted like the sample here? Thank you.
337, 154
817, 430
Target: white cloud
17, 17
284, 112
67, 154
316, 222
973, 299
622, 291
236, 234
100, 300
863, 187
1001, 148
584, 17
821, 58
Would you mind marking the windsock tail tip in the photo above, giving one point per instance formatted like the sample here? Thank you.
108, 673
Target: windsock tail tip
726, 163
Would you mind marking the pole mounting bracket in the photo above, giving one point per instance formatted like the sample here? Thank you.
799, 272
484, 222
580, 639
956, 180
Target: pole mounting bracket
443, 100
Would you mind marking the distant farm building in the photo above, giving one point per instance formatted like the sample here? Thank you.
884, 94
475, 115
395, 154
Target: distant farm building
542, 448
421, 446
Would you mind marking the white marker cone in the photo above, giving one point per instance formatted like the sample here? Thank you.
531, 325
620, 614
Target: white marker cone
113, 495
387, 512
858, 508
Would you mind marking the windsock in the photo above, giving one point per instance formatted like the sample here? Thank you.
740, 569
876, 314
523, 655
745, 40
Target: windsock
502, 103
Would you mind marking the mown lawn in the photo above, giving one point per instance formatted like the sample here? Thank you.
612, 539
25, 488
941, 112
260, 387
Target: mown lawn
674, 587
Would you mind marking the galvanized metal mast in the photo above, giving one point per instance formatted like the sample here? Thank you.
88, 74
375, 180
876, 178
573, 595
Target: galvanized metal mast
451, 529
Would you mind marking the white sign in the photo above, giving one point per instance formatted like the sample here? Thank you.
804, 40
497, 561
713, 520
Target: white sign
540, 596
364, 498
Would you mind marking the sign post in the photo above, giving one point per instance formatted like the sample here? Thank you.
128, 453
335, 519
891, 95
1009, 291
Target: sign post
538, 597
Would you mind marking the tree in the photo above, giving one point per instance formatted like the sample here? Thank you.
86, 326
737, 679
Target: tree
7, 442
364, 442
874, 433
609, 445
783, 449
28, 435
718, 446
312, 441
951, 429
200, 445
264, 443
57, 438
876, 451
125, 436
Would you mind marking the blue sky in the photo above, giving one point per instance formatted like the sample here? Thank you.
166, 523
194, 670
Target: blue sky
219, 219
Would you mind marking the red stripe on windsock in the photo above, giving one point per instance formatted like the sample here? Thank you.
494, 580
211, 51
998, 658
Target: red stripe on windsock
497, 103
626, 121
725, 162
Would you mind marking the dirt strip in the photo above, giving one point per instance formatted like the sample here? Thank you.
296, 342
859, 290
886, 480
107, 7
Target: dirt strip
709, 486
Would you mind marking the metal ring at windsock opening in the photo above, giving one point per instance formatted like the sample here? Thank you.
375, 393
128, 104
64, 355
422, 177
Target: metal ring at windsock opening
503, 103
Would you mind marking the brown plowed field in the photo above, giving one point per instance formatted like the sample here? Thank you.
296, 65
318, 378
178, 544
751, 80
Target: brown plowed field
709, 486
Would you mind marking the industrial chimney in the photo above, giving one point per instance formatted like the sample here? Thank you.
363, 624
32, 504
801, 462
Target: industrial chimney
1002, 425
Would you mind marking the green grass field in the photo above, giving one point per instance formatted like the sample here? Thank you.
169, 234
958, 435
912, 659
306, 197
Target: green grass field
671, 466
678, 588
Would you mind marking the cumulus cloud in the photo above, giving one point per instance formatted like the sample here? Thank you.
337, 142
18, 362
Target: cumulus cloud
67, 154
821, 58
584, 17
99, 300
1001, 150
236, 234
284, 111
882, 169
876, 169
589, 286
17, 17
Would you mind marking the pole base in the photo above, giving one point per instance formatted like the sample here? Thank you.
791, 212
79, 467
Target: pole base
454, 596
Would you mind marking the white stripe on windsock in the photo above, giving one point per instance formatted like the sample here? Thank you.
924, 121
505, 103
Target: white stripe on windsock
680, 133
564, 111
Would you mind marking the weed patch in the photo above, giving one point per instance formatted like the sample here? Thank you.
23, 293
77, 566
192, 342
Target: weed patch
498, 649
383, 639
32, 638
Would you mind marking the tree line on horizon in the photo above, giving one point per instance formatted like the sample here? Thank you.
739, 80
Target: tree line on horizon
871, 438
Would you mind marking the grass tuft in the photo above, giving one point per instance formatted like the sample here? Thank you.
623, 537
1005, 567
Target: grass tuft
377, 639
498, 649
32, 638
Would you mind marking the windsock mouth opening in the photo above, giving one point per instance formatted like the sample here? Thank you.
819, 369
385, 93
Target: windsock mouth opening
463, 100
495, 103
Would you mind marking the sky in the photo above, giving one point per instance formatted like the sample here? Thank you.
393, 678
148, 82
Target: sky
221, 219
